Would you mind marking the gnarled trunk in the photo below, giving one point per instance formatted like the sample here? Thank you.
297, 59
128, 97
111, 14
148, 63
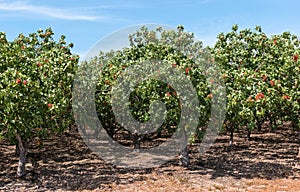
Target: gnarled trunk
17, 151
184, 155
22, 145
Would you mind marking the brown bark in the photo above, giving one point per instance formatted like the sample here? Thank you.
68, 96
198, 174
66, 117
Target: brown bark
22, 156
17, 151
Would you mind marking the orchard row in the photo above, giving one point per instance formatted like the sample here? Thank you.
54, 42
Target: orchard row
260, 74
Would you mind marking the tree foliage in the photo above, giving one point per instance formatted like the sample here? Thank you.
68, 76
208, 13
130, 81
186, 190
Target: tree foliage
174, 48
36, 75
261, 75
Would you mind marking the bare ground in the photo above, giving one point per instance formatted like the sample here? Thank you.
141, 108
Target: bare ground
267, 163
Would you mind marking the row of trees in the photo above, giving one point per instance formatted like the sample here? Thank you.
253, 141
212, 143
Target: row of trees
262, 78
260, 73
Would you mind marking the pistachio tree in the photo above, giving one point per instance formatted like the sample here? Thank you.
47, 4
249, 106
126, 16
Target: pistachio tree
177, 49
36, 75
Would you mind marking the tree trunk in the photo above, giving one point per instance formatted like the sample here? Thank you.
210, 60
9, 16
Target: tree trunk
22, 145
17, 151
136, 141
159, 132
299, 143
231, 135
259, 124
184, 155
249, 134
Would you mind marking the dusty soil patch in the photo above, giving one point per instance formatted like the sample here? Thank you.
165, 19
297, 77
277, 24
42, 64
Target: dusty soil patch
267, 163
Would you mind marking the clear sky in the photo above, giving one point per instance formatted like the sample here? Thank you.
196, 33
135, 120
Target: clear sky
84, 22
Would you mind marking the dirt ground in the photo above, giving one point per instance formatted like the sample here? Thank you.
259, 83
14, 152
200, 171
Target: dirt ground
267, 163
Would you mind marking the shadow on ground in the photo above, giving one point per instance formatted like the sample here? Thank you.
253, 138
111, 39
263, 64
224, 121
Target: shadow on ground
66, 163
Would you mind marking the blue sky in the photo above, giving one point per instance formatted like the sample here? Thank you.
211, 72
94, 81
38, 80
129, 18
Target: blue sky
84, 22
